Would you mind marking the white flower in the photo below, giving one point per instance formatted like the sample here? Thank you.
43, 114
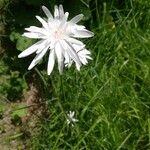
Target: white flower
58, 36
70, 118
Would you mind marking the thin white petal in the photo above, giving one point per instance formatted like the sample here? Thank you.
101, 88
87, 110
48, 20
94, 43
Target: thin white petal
59, 53
77, 18
47, 12
61, 11
66, 16
37, 58
56, 11
51, 62
78, 66
43, 22
36, 29
84, 56
30, 50
88, 57
79, 27
72, 115
34, 35
75, 41
69, 64
42, 46
78, 47
85, 52
40, 55
70, 50
83, 60
83, 33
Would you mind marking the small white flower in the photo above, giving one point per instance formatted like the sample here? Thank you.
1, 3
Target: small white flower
70, 118
58, 36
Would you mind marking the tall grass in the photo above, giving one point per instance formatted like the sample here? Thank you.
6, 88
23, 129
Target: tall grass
111, 95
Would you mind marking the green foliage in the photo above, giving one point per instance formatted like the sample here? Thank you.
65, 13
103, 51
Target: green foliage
17, 113
21, 42
110, 95
12, 85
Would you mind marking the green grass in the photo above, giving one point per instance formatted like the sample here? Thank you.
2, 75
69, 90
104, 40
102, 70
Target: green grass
111, 96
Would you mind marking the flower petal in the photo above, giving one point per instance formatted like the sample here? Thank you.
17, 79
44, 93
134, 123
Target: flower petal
68, 62
78, 47
43, 22
56, 12
66, 16
85, 52
83, 33
31, 49
51, 62
84, 56
75, 41
36, 29
71, 51
47, 12
60, 57
78, 66
61, 11
77, 18
37, 58
34, 35
43, 45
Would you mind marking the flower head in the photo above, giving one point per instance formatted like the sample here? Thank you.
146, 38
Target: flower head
58, 36
70, 118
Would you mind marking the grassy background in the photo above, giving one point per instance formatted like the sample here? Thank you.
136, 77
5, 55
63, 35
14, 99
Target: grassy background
111, 95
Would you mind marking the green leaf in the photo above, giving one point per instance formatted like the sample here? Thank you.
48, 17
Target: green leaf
19, 111
23, 43
14, 36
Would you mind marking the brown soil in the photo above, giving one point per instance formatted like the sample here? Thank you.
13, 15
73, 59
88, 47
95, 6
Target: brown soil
14, 135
